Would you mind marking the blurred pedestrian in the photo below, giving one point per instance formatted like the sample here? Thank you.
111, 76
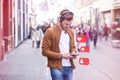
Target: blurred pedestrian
78, 33
95, 36
44, 27
100, 31
105, 28
30, 29
59, 47
87, 31
38, 36
33, 37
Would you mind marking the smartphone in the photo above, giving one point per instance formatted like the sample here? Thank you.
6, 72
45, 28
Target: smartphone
74, 54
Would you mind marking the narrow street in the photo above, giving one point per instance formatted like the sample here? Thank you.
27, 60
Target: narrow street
22, 21
27, 63
104, 63
24, 63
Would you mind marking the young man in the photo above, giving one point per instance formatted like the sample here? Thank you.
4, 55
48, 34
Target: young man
59, 48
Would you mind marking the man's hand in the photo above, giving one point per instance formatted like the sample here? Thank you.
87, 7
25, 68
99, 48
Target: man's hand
66, 56
69, 55
73, 54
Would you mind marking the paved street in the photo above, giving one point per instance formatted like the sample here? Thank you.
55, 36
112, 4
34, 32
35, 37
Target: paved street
27, 63
24, 63
104, 63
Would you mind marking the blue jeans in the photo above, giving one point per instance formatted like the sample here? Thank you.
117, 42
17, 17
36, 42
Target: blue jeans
64, 74
88, 43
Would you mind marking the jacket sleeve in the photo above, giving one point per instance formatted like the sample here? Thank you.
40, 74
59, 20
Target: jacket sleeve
74, 43
46, 46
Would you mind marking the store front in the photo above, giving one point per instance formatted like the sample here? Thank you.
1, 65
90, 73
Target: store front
7, 25
107, 18
117, 15
1, 30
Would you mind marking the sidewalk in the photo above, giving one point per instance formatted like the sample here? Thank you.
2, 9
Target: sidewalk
27, 63
104, 63
24, 63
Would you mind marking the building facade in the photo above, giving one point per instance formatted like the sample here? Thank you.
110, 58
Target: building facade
20, 21
115, 11
5, 27
98, 13
13, 24
1, 30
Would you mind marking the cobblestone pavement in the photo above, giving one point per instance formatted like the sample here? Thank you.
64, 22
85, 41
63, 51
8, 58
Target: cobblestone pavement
24, 63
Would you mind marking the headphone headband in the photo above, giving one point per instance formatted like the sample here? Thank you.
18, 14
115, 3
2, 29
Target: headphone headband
66, 14
63, 12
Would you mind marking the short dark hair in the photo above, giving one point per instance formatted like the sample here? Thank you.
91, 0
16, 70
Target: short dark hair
66, 14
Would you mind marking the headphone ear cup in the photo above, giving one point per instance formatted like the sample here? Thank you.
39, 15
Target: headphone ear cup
61, 19
58, 19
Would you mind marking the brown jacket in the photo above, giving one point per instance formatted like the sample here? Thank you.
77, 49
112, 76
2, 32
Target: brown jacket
50, 46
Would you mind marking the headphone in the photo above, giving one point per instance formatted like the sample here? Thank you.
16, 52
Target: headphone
62, 14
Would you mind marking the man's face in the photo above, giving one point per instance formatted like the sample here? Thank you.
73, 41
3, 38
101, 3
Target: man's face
66, 24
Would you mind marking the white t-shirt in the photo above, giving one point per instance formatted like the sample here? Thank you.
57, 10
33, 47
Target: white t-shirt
64, 47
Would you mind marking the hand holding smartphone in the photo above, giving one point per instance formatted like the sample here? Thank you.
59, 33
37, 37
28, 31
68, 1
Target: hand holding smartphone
74, 54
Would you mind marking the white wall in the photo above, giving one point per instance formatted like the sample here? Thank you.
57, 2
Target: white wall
106, 5
16, 24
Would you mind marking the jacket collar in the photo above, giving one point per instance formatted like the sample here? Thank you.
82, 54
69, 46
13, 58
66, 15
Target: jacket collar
68, 30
